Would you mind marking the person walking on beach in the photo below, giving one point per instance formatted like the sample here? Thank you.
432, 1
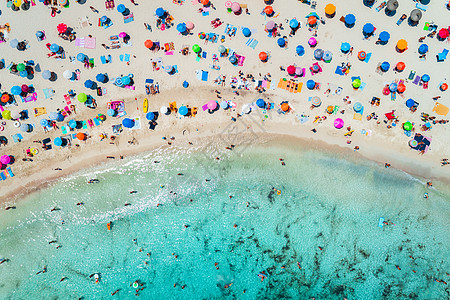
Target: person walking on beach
93, 9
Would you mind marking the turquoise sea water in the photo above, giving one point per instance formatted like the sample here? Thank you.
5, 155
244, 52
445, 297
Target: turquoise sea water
317, 238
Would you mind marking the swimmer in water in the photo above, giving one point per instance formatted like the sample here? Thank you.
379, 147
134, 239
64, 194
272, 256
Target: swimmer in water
80, 203
133, 192
93, 181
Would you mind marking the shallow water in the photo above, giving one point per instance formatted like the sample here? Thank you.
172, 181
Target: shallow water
322, 229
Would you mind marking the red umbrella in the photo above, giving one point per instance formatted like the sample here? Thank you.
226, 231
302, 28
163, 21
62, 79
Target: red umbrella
443, 33
148, 44
61, 28
291, 70
263, 56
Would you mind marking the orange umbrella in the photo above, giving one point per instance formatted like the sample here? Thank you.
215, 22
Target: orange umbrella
284, 107
444, 87
312, 20
401, 88
330, 9
148, 44
81, 136
4, 98
268, 10
330, 109
205, 2
400, 66
402, 45
263, 56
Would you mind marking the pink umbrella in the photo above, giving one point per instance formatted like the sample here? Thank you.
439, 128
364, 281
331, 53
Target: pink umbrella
228, 4
122, 34
212, 105
189, 25
338, 123
312, 42
270, 25
443, 33
25, 88
5, 159
235, 7
298, 71
291, 70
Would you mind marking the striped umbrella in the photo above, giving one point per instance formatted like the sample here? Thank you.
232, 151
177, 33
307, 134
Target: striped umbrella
315, 101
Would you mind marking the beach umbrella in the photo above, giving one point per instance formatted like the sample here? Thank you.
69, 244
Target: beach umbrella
111, 112
181, 27
345, 47
118, 81
23, 73
246, 32
160, 12
4, 98
413, 143
13, 43
25, 128
202, 35
5, 159
224, 104
150, 116
443, 87
17, 3
164, 110
6, 114
327, 56
392, 5
61, 27
368, 28
16, 90
58, 141
416, 15
401, 88
81, 136
121, 8
384, 37
44, 122
222, 49
316, 102
235, 7
67, 74
318, 53
400, 66
15, 115
185, 84
300, 50
293, 23
39, 34
268, 10
54, 48
270, 25
82, 97
128, 123
349, 20
122, 34
362, 55
246, 109
356, 83
338, 123
315, 68
260, 103
21, 67
284, 107
205, 2
357, 106
310, 84
312, 41
104, 19
25, 88
410, 103
190, 25
81, 57
291, 70
63, 3
384, 66
88, 84
298, 71
407, 126
423, 49
443, 33
425, 77
312, 20
196, 48
330, 10
183, 110
233, 59
100, 77
393, 87
72, 124
148, 44
263, 56
126, 80
212, 105
281, 42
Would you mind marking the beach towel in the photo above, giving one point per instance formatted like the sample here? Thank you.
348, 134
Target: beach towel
67, 98
252, 43
442, 56
103, 59
89, 43
29, 98
85, 126
440, 109
129, 18
368, 56
38, 111
64, 129
96, 121
416, 80
79, 42
48, 93
421, 6
339, 71
17, 138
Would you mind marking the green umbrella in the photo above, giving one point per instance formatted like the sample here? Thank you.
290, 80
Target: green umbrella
407, 126
6, 114
20, 67
356, 83
196, 48
82, 97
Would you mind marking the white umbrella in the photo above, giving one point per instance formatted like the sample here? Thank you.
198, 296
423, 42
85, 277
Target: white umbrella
15, 115
67, 74
246, 109
164, 110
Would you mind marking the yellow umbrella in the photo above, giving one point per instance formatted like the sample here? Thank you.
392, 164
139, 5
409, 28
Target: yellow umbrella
6, 114
17, 3
330, 9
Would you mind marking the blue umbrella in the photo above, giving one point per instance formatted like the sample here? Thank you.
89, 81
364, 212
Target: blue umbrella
58, 141
293, 23
423, 49
181, 27
44, 122
410, 103
118, 82
183, 110
349, 20
23, 73
327, 56
16, 90
260, 103
150, 116
281, 42
54, 47
121, 8
368, 28
300, 50
345, 47
233, 59
100, 77
88, 84
126, 80
46, 74
393, 87
128, 123
224, 104
185, 84
73, 124
318, 54
384, 36
81, 57
310, 84
111, 112
25, 128
39, 34
246, 32
160, 12
13, 43
357, 106
385, 66
425, 78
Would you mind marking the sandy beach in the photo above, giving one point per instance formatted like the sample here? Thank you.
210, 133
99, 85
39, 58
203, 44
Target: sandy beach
375, 140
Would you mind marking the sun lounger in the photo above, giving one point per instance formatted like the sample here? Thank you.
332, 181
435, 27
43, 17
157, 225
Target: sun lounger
64, 129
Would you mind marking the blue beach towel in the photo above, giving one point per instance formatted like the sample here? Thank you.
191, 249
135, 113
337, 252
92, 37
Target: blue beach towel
127, 57
368, 56
103, 59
